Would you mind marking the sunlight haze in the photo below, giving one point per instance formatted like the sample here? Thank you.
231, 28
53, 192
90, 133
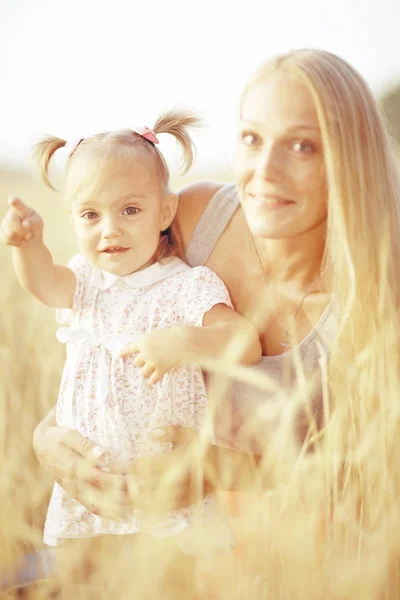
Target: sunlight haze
74, 68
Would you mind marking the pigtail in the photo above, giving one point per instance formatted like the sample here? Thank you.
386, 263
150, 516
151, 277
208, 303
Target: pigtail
42, 153
176, 122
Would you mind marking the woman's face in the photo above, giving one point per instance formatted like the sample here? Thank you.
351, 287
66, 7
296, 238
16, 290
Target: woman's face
279, 160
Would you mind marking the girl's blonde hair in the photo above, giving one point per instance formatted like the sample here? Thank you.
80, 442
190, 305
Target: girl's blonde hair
119, 145
363, 250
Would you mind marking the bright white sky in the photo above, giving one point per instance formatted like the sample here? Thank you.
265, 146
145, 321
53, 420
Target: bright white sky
72, 67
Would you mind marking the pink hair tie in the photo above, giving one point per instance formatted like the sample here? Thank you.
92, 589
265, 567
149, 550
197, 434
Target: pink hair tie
146, 133
72, 145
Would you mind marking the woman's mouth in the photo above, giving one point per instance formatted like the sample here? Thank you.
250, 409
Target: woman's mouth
271, 201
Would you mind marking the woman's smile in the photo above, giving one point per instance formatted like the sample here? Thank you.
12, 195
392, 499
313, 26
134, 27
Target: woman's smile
270, 201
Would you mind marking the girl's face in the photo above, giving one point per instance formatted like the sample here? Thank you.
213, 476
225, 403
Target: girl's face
279, 159
118, 225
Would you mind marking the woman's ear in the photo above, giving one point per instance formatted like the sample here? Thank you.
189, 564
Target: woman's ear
169, 208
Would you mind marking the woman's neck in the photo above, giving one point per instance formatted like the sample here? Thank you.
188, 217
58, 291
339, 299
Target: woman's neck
295, 261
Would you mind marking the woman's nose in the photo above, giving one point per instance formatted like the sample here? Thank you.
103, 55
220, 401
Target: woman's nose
269, 164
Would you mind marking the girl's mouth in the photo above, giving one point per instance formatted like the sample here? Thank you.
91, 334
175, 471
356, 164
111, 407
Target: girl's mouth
115, 250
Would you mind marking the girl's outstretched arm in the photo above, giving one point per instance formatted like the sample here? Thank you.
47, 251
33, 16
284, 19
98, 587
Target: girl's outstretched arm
52, 284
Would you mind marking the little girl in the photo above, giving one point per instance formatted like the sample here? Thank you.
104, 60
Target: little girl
127, 294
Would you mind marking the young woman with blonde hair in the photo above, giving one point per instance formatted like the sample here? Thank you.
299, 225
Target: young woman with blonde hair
307, 243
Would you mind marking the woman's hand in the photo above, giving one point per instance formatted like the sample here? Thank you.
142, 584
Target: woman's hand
168, 481
157, 352
153, 484
21, 224
72, 459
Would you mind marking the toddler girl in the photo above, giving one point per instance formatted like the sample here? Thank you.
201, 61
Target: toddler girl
128, 293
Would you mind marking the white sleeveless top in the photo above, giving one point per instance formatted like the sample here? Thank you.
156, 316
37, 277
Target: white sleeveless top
246, 403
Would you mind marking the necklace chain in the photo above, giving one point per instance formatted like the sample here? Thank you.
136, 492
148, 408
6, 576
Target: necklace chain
285, 341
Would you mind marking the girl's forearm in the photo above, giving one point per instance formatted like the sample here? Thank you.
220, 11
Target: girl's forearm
228, 339
35, 269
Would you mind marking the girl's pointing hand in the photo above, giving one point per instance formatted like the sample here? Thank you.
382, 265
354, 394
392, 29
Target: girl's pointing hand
21, 224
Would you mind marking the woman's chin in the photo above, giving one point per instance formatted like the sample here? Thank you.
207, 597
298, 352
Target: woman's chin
270, 232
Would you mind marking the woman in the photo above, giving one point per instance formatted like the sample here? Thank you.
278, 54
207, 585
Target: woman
310, 252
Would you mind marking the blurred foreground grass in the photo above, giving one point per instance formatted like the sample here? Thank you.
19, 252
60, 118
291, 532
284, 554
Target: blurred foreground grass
297, 548
30, 367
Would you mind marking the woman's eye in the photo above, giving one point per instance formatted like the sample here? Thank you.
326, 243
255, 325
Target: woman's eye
90, 215
303, 147
131, 210
249, 139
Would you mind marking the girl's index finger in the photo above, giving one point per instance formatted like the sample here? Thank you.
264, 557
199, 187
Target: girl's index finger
22, 210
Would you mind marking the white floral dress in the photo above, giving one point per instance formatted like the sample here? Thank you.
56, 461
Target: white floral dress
108, 400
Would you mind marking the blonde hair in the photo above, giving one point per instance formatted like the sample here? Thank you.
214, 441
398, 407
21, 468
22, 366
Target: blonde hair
119, 145
363, 250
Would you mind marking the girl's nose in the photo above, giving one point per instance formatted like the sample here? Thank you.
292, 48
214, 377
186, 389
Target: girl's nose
110, 228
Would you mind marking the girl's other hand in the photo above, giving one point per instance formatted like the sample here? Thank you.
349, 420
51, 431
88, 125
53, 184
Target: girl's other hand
157, 352
21, 224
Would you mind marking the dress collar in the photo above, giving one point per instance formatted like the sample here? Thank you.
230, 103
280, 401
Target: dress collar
139, 279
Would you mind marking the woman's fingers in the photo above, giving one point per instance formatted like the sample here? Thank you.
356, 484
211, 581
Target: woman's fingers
175, 434
112, 503
62, 465
74, 440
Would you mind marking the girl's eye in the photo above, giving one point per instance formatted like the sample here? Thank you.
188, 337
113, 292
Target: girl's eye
90, 215
249, 139
303, 147
131, 210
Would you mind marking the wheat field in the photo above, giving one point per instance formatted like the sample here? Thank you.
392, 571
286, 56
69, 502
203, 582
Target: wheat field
290, 544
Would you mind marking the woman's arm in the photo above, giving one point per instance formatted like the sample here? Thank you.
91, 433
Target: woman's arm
71, 458
191, 471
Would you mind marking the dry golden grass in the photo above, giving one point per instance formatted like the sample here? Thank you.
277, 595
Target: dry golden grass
330, 530
30, 367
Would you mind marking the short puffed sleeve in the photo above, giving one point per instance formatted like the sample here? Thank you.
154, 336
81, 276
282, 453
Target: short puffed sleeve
202, 290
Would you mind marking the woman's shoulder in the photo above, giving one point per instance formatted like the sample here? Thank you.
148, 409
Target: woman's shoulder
202, 191
193, 201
